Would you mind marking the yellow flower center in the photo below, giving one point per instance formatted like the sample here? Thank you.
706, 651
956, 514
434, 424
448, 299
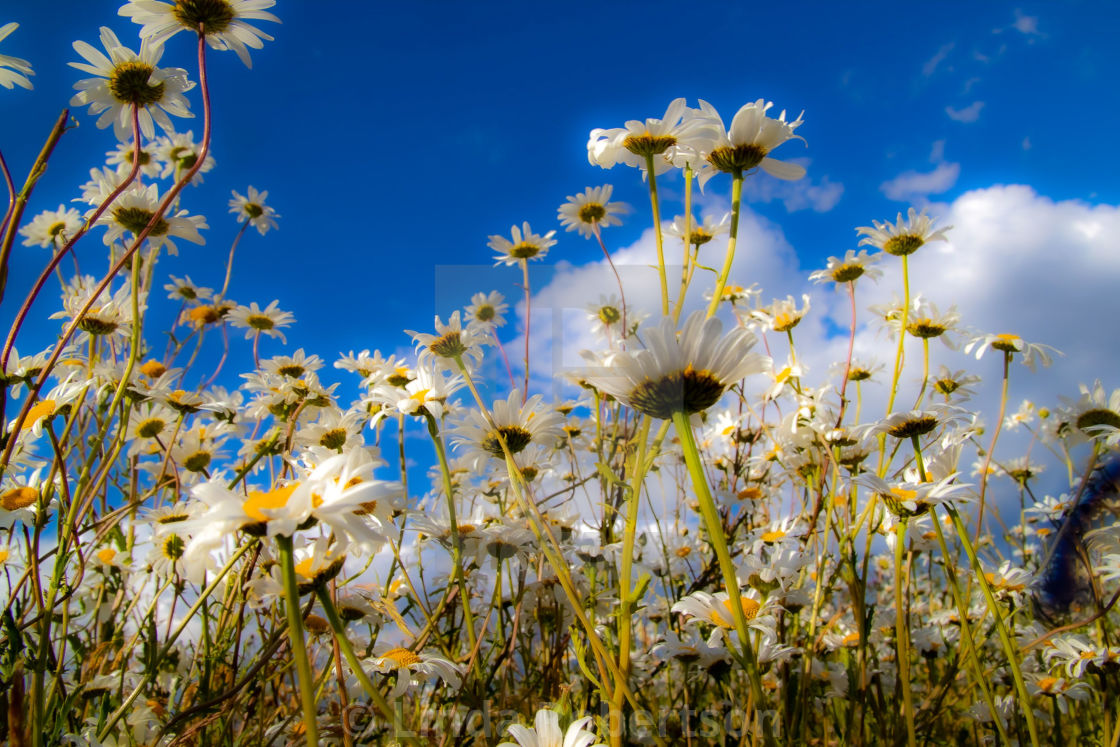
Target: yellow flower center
773, 535
18, 498
106, 555
402, 656
41, 409
260, 501
749, 606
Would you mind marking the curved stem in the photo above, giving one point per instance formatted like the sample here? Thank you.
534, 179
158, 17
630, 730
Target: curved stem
528, 302
902, 633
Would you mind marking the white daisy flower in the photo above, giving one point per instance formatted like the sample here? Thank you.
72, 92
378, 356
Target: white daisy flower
135, 208
126, 79
902, 238
546, 732
52, 227
178, 153
519, 425
253, 209
18, 69
257, 321
525, 245
664, 137
746, 144
699, 232
224, 23
1009, 343
591, 210
848, 269
686, 372
486, 311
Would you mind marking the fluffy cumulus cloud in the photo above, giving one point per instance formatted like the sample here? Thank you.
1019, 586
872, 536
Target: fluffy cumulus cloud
1016, 262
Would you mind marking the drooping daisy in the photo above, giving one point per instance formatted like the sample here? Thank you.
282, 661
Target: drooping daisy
546, 732
902, 238
525, 245
224, 23
257, 321
591, 210
638, 140
126, 79
52, 227
17, 69
747, 143
847, 270
253, 209
686, 372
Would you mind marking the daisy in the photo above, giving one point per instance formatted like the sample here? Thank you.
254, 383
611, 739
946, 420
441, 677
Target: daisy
111, 316
782, 316
525, 245
52, 227
546, 732
19, 69
748, 142
222, 22
407, 664
179, 153
849, 269
606, 316
486, 311
126, 79
715, 609
259, 321
253, 209
591, 210
686, 372
121, 157
1096, 413
1009, 343
634, 143
957, 384
135, 208
517, 425
451, 341
925, 321
902, 238
915, 498
699, 232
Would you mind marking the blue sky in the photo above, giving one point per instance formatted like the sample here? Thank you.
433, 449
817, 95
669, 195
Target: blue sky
394, 138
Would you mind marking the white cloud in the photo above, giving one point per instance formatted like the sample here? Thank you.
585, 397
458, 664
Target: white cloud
932, 63
803, 194
937, 152
1016, 262
1025, 24
911, 185
970, 113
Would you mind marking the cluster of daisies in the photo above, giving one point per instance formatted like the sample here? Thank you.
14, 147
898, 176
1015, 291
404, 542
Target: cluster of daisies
699, 542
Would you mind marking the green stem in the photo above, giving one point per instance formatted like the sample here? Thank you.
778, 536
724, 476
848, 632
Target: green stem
299, 650
994, 609
725, 273
654, 204
902, 633
456, 539
712, 522
992, 445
